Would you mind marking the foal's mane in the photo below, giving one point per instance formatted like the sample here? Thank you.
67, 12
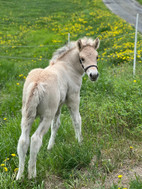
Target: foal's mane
65, 49
62, 51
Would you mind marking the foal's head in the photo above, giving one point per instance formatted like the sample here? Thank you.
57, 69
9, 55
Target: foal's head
88, 57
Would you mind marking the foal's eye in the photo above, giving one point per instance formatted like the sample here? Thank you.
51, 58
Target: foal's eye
82, 59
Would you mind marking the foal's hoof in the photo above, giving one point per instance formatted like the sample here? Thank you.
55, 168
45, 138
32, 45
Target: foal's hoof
31, 172
31, 176
18, 177
50, 146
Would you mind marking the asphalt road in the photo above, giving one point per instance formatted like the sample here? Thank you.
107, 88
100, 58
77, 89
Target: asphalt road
126, 9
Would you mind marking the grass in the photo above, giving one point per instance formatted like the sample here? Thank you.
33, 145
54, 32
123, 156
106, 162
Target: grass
110, 108
140, 1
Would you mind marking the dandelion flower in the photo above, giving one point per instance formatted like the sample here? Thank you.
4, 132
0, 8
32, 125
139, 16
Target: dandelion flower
13, 155
17, 83
134, 81
120, 176
5, 119
6, 159
5, 169
16, 169
131, 147
2, 165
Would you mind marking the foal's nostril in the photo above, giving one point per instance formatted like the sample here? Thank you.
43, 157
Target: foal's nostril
91, 75
94, 76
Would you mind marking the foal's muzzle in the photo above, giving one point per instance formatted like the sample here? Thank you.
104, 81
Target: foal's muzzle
93, 77
93, 73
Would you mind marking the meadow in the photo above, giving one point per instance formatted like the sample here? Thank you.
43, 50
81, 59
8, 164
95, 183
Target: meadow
111, 108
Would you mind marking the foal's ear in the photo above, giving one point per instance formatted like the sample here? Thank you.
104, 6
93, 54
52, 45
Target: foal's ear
96, 43
79, 44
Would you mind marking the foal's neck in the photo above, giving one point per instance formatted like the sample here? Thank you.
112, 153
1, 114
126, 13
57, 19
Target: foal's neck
71, 59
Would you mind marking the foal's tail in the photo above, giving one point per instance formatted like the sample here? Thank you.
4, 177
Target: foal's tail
32, 96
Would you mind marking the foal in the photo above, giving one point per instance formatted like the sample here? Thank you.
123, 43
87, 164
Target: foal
45, 91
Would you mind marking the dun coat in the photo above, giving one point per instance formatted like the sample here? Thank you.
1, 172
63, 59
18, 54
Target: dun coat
45, 91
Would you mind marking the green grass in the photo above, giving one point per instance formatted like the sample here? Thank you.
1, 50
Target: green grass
140, 1
30, 31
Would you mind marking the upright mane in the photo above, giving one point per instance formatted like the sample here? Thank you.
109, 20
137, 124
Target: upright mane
63, 50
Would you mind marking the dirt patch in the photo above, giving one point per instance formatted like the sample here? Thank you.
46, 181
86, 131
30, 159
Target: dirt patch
129, 171
103, 170
121, 176
54, 182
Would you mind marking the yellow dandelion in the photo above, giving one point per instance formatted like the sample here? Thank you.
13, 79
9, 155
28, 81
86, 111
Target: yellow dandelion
16, 169
2, 165
120, 176
24, 77
6, 159
131, 147
54, 41
5, 169
17, 83
4, 118
13, 155
134, 81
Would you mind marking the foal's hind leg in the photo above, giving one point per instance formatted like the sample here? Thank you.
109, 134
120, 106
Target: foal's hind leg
36, 142
23, 144
54, 128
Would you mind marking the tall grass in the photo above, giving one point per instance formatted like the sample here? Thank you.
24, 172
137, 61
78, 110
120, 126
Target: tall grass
110, 108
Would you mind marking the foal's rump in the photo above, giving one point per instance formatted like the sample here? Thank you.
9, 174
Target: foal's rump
41, 94
32, 95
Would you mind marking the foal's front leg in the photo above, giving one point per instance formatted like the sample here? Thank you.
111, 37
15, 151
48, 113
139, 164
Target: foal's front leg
73, 105
77, 124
